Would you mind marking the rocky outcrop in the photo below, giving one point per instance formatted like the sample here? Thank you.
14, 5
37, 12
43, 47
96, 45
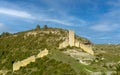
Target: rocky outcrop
31, 33
79, 55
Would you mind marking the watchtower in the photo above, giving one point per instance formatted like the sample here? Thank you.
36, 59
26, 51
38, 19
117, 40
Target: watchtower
71, 38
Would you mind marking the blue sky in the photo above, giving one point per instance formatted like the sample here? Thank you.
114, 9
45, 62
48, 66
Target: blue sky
97, 20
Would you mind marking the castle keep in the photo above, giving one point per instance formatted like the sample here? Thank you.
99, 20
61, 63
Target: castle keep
71, 41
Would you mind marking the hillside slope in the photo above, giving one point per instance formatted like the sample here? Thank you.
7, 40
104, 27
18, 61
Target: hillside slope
21, 45
66, 61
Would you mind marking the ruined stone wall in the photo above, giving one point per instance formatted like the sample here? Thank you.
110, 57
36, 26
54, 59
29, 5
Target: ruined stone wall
64, 44
74, 42
77, 43
87, 48
3, 72
42, 54
25, 62
16, 66
70, 41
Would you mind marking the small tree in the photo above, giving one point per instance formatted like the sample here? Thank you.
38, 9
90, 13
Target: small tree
45, 27
4, 34
38, 27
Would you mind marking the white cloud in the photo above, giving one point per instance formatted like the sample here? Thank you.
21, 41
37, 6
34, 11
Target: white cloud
67, 22
2, 27
59, 14
64, 20
55, 13
110, 20
104, 38
105, 27
114, 3
57, 21
16, 13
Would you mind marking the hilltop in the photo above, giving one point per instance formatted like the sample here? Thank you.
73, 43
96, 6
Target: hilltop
72, 60
18, 46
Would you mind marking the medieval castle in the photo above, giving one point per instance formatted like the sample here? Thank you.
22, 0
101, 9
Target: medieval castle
71, 41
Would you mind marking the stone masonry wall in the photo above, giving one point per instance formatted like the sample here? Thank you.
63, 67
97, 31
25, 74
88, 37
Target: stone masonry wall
71, 38
42, 54
17, 65
73, 42
25, 62
64, 44
87, 48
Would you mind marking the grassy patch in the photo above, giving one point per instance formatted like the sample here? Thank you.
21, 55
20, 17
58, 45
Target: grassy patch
59, 56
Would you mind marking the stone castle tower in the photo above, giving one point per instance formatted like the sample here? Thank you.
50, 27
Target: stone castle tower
71, 38
71, 41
